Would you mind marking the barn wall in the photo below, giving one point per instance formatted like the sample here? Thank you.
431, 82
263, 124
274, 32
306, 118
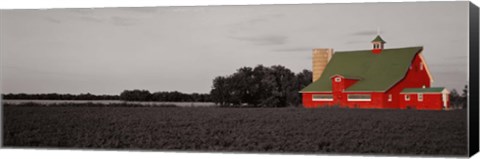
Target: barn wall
348, 82
415, 78
430, 102
377, 100
341, 99
309, 103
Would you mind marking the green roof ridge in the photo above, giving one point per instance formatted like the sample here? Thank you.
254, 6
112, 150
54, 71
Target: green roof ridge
370, 50
422, 90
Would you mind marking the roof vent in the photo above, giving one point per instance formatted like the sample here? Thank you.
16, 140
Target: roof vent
378, 44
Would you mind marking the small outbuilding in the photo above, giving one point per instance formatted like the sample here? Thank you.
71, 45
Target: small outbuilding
436, 98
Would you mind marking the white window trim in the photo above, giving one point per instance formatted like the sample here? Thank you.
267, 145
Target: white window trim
313, 99
418, 97
407, 97
323, 99
359, 100
338, 79
390, 97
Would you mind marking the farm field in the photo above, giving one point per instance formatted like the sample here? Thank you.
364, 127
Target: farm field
291, 130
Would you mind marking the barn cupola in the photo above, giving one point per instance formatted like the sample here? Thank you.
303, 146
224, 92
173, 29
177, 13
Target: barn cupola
377, 43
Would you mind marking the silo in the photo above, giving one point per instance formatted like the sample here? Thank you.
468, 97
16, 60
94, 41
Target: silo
321, 57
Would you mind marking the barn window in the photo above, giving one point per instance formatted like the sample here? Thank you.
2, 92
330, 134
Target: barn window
338, 79
420, 97
407, 97
322, 97
390, 97
421, 66
359, 97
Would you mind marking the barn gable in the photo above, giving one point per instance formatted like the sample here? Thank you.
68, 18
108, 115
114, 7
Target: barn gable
378, 72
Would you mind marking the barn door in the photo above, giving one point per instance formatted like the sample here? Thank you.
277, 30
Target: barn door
339, 99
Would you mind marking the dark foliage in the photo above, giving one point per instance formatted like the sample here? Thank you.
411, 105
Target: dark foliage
135, 95
56, 96
274, 86
291, 130
175, 96
127, 95
53, 105
457, 100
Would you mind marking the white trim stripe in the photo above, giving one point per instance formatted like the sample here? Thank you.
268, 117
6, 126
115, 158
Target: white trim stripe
359, 100
426, 66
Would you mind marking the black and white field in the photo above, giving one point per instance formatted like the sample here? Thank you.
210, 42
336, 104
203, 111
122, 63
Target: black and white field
219, 129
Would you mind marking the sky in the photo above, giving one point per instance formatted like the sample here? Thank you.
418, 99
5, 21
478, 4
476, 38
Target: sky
108, 50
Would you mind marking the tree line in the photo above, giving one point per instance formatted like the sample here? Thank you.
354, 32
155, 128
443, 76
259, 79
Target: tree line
261, 86
56, 96
126, 95
459, 100
174, 96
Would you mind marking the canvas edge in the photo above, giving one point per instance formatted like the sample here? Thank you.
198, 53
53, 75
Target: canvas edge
473, 108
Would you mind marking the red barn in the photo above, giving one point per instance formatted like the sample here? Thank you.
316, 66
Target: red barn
396, 78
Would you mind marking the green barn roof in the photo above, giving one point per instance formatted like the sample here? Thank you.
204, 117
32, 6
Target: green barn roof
423, 90
377, 72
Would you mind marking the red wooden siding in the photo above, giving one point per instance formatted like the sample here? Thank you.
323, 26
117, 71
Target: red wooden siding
429, 102
341, 99
415, 78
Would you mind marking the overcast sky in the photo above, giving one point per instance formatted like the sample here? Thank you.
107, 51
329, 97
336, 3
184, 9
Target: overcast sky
108, 50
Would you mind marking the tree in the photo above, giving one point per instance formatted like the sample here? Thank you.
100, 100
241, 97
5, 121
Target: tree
274, 86
457, 100
220, 92
302, 80
135, 95
282, 86
260, 87
465, 91
464, 97
454, 98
